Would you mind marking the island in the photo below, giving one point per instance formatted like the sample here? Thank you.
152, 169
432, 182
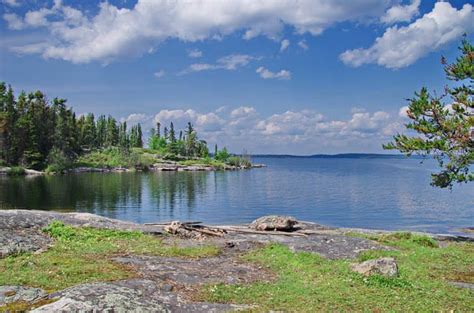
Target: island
39, 136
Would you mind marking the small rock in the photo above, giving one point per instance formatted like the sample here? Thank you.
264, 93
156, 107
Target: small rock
460, 284
274, 222
9, 294
383, 266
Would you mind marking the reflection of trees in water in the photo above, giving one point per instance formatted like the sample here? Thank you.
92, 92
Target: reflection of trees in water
103, 193
170, 189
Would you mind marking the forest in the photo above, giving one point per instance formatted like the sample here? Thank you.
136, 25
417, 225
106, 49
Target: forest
47, 135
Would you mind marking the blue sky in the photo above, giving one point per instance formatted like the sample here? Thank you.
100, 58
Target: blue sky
281, 76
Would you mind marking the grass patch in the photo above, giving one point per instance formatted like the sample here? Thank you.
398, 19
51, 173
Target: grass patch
81, 255
115, 157
205, 161
307, 282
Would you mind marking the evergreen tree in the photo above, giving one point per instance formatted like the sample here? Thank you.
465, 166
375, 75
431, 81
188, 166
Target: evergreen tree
172, 135
165, 133
158, 129
111, 133
101, 131
446, 133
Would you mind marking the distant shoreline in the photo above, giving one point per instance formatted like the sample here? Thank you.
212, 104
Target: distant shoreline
340, 156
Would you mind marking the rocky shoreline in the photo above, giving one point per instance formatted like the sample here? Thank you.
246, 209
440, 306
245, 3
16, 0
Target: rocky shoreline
164, 283
165, 166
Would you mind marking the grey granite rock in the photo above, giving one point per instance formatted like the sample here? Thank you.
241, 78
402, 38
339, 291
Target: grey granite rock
382, 266
136, 295
9, 294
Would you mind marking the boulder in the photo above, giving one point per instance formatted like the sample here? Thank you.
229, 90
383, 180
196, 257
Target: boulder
9, 294
274, 222
382, 266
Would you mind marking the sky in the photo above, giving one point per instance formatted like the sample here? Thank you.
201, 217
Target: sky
265, 76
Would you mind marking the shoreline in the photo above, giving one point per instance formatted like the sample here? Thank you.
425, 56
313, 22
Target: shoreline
169, 166
51, 261
95, 220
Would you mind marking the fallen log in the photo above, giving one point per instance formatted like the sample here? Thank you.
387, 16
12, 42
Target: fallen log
205, 231
259, 232
169, 223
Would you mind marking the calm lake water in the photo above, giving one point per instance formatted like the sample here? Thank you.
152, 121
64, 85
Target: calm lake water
368, 193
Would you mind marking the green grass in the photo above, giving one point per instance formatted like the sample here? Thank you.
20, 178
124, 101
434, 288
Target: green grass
114, 157
81, 255
307, 282
206, 161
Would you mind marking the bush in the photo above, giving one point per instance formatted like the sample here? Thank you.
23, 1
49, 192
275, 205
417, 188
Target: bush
58, 161
222, 155
238, 161
16, 171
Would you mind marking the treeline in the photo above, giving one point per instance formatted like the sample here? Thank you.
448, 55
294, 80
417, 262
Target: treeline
36, 132
185, 144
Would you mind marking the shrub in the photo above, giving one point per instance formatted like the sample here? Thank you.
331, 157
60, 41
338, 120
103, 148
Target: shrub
16, 171
58, 161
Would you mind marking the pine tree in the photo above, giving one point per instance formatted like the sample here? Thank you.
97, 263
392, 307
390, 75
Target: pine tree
172, 135
446, 133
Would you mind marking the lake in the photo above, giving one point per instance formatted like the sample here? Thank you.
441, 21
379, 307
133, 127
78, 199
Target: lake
379, 193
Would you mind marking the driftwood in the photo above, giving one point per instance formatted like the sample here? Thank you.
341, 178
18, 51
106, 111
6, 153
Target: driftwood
168, 223
259, 232
205, 231
186, 229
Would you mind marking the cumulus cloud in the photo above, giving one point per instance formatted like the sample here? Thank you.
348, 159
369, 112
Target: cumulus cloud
300, 131
285, 43
401, 13
229, 62
159, 74
12, 3
195, 53
14, 22
135, 118
114, 32
401, 46
303, 45
267, 74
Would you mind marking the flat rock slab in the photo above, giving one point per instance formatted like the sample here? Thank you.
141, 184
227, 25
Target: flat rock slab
21, 230
15, 241
191, 272
136, 295
331, 246
9, 294
21, 219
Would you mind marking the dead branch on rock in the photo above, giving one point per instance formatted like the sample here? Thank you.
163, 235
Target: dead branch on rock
258, 232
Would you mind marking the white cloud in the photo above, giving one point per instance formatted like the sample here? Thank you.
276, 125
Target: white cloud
304, 131
303, 45
159, 74
12, 3
229, 62
135, 118
401, 13
14, 21
114, 32
195, 53
403, 112
402, 46
285, 43
267, 74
